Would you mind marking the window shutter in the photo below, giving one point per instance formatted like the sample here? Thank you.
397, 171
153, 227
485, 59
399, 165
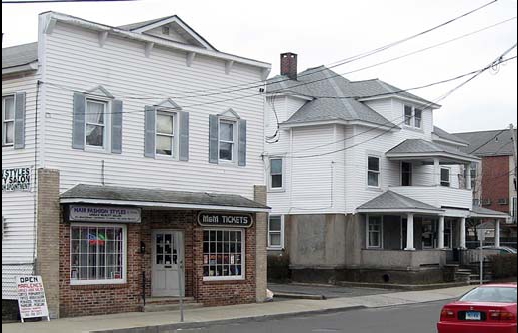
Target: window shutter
241, 145
116, 126
78, 130
150, 131
19, 121
184, 135
213, 139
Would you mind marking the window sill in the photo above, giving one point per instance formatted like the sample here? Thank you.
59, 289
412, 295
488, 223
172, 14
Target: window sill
97, 284
415, 129
94, 149
166, 157
223, 278
276, 190
374, 188
275, 248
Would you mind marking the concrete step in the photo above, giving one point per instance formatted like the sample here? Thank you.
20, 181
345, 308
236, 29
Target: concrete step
154, 307
167, 300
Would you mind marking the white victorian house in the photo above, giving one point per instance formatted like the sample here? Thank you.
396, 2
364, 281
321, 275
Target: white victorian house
362, 185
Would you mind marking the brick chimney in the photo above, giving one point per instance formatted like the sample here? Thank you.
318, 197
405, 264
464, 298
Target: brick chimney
289, 65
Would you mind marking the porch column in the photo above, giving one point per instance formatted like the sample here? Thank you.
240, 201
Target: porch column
436, 172
440, 242
462, 232
468, 176
409, 232
497, 233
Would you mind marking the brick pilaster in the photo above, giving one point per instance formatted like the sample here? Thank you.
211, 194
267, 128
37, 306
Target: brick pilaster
260, 243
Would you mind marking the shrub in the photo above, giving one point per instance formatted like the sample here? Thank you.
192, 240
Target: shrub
504, 265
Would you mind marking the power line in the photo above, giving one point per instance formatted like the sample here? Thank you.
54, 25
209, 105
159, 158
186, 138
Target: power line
57, 1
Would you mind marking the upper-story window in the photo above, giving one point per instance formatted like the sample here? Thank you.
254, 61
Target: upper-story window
413, 116
165, 133
373, 172
95, 123
445, 177
473, 175
276, 181
8, 120
227, 135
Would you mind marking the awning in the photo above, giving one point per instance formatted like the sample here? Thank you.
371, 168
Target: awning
157, 198
397, 203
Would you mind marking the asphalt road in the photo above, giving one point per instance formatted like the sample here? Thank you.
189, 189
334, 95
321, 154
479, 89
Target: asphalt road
414, 318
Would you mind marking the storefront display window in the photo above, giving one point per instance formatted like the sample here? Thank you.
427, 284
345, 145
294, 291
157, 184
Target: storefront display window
223, 254
97, 254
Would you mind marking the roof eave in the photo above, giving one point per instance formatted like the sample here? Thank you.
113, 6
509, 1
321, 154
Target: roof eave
400, 210
339, 122
151, 39
413, 100
30, 67
432, 154
451, 142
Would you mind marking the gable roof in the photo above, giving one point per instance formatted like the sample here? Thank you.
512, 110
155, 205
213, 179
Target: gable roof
488, 143
325, 87
377, 87
392, 201
442, 134
179, 25
19, 55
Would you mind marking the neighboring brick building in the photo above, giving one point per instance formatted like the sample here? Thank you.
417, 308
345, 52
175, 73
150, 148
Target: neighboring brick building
494, 178
117, 190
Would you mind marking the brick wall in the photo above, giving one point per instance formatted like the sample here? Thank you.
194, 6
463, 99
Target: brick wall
261, 221
495, 182
47, 262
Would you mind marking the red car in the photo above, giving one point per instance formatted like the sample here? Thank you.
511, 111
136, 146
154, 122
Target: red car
489, 308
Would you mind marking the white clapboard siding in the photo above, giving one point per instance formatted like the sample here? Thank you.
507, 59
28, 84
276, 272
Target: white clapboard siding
75, 61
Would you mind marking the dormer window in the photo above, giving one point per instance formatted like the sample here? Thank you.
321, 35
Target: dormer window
413, 116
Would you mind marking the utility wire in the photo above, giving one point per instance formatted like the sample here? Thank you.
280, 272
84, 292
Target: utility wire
57, 1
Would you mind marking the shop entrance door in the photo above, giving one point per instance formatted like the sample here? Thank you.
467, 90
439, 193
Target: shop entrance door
167, 257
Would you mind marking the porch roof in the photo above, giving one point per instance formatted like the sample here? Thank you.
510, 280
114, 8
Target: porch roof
394, 202
158, 198
481, 212
419, 149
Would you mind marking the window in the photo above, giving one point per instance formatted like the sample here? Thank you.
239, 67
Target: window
95, 123
408, 115
417, 117
373, 171
374, 232
514, 209
406, 174
473, 175
165, 133
98, 254
447, 233
276, 232
413, 116
223, 254
276, 170
427, 236
226, 140
445, 177
8, 120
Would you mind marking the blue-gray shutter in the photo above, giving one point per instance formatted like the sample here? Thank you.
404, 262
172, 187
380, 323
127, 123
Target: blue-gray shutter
241, 144
116, 126
213, 139
78, 130
184, 135
19, 120
150, 131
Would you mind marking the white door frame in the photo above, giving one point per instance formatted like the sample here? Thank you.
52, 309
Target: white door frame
179, 242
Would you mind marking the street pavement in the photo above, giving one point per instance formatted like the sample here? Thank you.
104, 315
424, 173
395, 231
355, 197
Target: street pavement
169, 321
326, 291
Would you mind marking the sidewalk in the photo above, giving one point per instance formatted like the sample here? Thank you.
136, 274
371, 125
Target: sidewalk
142, 322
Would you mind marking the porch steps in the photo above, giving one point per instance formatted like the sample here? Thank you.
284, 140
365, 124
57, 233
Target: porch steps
156, 304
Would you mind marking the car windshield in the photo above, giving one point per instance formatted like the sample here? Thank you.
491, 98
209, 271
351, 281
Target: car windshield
491, 294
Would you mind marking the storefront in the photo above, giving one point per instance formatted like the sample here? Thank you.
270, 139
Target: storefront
117, 249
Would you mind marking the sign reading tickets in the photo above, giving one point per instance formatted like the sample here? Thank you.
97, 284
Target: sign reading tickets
16, 179
218, 219
31, 297
104, 214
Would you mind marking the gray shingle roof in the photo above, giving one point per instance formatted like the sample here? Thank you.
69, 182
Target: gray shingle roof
391, 200
19, 55
410, 146
83, 191
447, 136
484, 211
378, 87
323, 82
488, 143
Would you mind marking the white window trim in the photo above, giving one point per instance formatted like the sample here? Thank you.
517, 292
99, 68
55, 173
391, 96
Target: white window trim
175, 137
449, 176
4, 121
379, 171
412, 124
106, 126
283, 174
243, 258
124, 258
234, 142
380, 233
281, 232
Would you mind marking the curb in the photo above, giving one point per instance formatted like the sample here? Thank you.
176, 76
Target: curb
171, 327
298, 296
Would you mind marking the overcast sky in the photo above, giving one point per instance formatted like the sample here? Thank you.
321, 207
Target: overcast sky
323, 32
